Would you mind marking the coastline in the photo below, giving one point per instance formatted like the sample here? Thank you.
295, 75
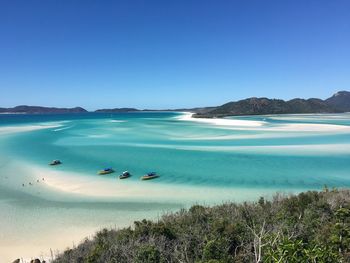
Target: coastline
87, 203
72, 186
62, 190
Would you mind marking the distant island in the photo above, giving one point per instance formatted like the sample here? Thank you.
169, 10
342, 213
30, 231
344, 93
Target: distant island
41, 110
117, 110
120, 110
338, 103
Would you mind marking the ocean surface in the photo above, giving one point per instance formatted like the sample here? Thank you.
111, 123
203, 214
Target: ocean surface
205, 161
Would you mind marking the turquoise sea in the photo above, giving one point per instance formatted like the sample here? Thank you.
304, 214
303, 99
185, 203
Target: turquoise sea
199, 161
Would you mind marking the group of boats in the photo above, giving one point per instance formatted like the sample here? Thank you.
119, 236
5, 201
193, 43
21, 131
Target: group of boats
127, 174
109, 170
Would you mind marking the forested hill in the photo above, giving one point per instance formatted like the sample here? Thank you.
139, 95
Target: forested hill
339, 102
41, 110
309, 227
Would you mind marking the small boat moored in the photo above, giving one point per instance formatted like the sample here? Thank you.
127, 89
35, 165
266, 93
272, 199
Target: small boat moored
106, 171
124, 175
150, 176
55, 162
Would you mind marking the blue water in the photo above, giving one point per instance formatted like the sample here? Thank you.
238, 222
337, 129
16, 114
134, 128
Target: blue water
185, 152
203, 162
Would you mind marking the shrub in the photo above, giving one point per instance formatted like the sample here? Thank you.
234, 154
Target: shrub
147, 254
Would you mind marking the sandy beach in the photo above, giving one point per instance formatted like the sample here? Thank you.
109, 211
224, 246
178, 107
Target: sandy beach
61, 190
187, 116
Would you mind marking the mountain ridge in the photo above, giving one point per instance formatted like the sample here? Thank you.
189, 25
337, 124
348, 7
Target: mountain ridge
338, 103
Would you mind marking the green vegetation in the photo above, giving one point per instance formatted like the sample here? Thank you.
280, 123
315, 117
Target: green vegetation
339, 102
309, 227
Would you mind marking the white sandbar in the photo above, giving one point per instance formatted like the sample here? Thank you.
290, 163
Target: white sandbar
26, 128
236, 124
187, 116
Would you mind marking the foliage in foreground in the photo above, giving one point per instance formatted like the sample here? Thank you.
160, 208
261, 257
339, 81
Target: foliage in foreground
309, 227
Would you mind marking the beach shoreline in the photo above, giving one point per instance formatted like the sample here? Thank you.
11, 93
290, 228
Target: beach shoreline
56, 206
71, 188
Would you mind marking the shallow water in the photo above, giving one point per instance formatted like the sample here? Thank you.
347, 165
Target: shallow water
206, 161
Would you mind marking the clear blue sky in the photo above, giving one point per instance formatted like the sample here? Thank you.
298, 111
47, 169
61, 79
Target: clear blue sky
167, 54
